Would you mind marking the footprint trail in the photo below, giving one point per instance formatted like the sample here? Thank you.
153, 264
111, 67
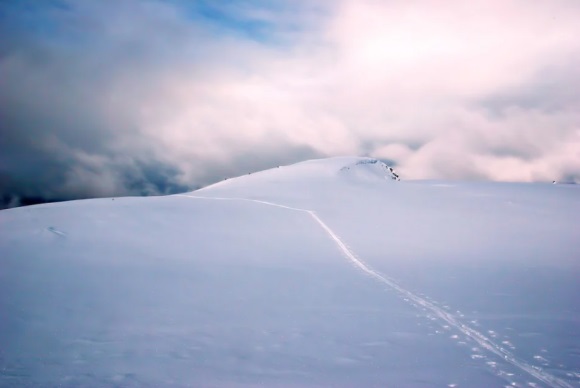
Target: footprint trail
482, 340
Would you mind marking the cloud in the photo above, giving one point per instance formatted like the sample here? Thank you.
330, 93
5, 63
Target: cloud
129, 97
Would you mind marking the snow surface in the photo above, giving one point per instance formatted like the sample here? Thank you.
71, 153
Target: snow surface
323, 273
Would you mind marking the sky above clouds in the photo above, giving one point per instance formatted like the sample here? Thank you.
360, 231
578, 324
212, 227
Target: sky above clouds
144, 97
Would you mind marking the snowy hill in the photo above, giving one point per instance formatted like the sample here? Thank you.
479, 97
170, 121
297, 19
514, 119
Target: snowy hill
326, 272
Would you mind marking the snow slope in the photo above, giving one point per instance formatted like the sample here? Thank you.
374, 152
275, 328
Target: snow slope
327, 272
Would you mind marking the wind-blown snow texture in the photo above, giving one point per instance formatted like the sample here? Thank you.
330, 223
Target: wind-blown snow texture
327, 272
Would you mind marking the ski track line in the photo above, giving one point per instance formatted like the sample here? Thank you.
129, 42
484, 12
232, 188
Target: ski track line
476, 336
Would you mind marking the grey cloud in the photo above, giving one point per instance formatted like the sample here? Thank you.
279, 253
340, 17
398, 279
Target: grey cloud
552, 89
550, 101
58, 137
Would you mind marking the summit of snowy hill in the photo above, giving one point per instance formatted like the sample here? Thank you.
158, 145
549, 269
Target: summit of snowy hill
313, 175
371, 168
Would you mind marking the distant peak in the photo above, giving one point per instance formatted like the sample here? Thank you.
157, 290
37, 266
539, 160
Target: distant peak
374, 164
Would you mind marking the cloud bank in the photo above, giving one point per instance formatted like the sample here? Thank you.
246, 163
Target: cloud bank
129, 97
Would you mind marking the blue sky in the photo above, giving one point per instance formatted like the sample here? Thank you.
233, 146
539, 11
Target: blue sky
156, 96
254, 20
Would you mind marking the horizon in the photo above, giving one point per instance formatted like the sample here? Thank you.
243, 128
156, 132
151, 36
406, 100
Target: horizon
39, 200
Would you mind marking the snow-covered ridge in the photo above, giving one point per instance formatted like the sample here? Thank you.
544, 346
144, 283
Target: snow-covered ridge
310, 173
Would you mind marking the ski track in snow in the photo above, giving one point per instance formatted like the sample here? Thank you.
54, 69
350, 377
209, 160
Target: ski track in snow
417, 300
